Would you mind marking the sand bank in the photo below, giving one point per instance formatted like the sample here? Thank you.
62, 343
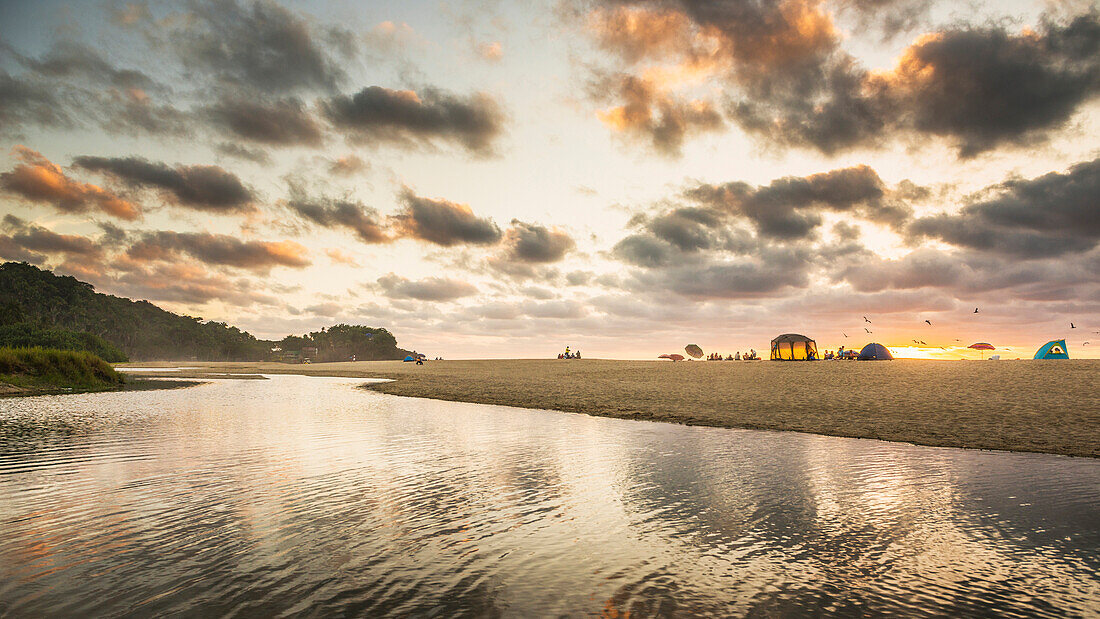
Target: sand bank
1040, 406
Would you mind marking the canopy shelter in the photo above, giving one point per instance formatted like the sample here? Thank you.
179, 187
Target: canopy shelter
793, 347
1054, 349
875, 352
694, 350
982, 346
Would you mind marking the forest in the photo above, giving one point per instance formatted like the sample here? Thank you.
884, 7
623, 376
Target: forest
40, 308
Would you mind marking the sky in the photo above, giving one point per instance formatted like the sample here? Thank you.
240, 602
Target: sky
503, 179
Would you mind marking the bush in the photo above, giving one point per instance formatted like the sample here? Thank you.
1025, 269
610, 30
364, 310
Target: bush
25, 335
50, 368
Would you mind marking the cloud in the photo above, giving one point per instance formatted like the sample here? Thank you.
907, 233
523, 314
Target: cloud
376, 114
491, 51
790, 83
984, 87
789, 207
338, 256
259, 45
239, 151
1049, 215
653, 116
348, 165
38, 180
285, 122
35, 238
427, 289
25, 102
532, 243
443, 223
201, 187
72, 59
364, 221
179, 283
218, 249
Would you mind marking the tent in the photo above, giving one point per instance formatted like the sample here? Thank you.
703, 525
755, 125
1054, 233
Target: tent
1054, 349
793, 347
410, 358
875, 352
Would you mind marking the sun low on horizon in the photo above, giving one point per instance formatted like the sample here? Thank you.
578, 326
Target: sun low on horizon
496, 179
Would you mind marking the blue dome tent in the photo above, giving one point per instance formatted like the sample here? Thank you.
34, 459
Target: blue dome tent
1054, 349
410, 358
875, 352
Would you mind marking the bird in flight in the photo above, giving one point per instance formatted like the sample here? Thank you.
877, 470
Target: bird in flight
923, 343
866, 320
866, 329
929, 322
844, 334
1071, 326
975, 310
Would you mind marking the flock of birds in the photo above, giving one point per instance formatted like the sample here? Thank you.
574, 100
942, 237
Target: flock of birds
929, 323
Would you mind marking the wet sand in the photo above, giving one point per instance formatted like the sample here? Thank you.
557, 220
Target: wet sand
1039, 406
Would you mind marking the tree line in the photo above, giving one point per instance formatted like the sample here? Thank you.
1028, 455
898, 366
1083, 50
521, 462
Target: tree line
40, 308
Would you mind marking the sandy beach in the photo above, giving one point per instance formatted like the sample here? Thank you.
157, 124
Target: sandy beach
1050, 407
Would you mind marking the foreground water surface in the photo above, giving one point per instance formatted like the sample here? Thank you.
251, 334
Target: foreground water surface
300, 495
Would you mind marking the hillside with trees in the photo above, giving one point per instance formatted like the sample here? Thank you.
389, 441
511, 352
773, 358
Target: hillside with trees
39, 308
342, 343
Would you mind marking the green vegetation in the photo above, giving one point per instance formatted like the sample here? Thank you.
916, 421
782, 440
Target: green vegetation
27, 335
341, 343
45, 370
46, 302
38, 308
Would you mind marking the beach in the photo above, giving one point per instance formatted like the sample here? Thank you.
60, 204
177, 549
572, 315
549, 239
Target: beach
1031, 406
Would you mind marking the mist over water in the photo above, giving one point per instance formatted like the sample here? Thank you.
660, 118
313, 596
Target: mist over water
301, 495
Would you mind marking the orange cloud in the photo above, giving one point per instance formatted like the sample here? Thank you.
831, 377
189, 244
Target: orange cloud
39, 180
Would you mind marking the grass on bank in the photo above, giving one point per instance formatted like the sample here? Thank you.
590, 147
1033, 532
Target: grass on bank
44, 370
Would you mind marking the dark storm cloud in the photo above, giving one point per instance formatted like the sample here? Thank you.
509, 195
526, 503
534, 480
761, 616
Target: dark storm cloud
218, 249
259, 45
984, 87
377, 114
443, 223
978, 87
202, 187
364, 221
1052, 214
532, 243
428, 289
285, 122
38, 180
660, 119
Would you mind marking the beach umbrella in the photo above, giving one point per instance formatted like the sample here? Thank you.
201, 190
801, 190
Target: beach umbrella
982, 346
694, 351
673, 357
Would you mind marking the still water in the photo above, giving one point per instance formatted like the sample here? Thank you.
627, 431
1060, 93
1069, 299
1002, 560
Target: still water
312, 496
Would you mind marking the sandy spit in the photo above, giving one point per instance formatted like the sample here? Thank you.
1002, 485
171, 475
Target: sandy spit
1036, 406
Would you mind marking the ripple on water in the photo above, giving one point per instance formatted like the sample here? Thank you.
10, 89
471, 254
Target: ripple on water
308, 495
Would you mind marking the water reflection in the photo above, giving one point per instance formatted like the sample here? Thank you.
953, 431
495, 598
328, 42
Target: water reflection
298, 494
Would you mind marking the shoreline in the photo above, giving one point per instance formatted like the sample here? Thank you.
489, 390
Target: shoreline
999, 406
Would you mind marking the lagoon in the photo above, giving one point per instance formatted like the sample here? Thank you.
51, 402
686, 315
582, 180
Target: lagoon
307, 495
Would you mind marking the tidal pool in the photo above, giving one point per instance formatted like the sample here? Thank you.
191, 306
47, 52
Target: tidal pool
313, 496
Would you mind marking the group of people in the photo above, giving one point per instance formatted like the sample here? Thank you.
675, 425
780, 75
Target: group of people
839, 354
749, 356
570, 355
